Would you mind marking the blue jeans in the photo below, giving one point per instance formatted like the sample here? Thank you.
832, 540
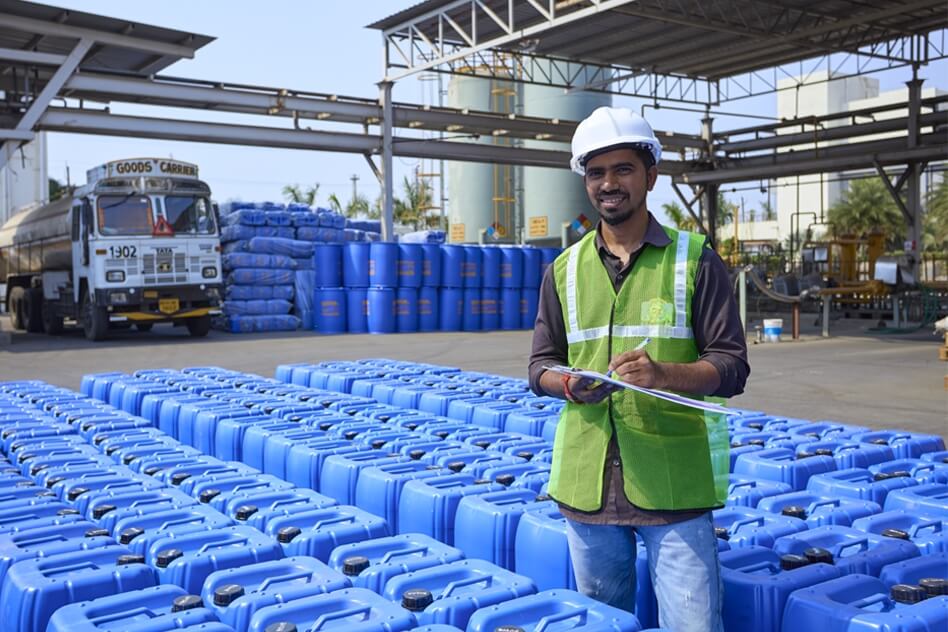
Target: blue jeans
682, 561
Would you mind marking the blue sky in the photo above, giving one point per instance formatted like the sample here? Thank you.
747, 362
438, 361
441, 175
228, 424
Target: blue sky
315, 46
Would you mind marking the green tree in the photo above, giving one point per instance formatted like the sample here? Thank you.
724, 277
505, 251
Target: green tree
867, 207
56, 189
935, 225
679, 217
412, 209
295, 193
767, 212
726, 210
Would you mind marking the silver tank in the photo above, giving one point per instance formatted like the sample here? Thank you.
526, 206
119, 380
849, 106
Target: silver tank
37, 239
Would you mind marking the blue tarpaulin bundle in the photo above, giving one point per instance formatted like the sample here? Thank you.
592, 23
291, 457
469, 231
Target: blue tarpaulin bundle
241, 232
234, 205
246, 217
253, 260
253, 324
257, 307
305, 218
252, 292
423, 237
281, 246
367, 225
260, 276
279, 218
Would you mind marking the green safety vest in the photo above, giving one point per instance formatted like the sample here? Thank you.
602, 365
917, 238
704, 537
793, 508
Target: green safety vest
673, 457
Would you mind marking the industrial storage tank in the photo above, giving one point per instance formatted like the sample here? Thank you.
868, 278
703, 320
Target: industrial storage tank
552, 197
510, 201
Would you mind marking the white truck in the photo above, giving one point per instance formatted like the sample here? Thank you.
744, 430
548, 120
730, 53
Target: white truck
138, 244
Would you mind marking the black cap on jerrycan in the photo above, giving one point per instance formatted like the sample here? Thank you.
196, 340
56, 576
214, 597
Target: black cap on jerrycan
907, 593
186, 602
509, 628
166, 557
794, 511
209, 494
245, 511
124, 560
227, 594
101, 510
721, 533
282, 626
352, 566
286, 534
818, 555
895, 533
934, 586
416, 599
791, 561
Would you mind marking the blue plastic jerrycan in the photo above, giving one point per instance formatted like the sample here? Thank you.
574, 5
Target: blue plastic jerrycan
317, 532
859, 602
916, 569
858, 483
757, 583
107, 509
44, 541
371, 563
931, 498
451, 593
186, 560
258, 507
139, 532
429, 505
379, 487
743, 526
34, 589
783, 466
218, 492
235, 594
748, 492
541, 551
817, 510
148, 610
486, 525
929, 532
850, 550
354, 609
924, 471
553, 609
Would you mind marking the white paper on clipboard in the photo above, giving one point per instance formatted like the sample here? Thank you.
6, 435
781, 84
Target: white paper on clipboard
670, 397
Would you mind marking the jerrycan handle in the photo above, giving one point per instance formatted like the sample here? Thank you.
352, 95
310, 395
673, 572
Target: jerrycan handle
409, 551
323, 619
287, 577
178, 521
860, 543
547, 621
934, 525
222, 542
755, 520
829, 502
869, 601
336, 520
748, 484
460, 583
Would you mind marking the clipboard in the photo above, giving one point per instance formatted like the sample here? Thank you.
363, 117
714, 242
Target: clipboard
670, 397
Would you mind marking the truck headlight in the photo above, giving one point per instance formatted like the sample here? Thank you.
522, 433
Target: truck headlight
115, 276
209, 272
119, 298
213, 292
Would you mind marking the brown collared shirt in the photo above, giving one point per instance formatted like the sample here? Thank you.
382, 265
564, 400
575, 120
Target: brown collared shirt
719, 336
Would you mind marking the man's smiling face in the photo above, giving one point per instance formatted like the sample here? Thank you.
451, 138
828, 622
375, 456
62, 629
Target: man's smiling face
617, 183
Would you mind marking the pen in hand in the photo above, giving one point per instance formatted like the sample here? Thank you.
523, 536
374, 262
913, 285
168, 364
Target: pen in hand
637, 347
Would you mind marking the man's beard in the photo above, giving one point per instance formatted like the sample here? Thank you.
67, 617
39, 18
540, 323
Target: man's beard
615, 220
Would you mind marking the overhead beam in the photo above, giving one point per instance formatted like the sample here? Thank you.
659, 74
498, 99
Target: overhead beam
31, 57
16, 134
45, 27
893, 192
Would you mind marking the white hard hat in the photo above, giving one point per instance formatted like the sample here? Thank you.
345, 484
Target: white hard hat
611, 127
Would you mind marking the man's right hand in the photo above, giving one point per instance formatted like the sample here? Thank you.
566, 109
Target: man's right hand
590, 391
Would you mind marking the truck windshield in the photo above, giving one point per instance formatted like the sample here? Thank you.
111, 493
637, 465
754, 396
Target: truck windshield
124, 215
190, 214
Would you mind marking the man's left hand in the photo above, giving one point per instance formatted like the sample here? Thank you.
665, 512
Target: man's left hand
637, 368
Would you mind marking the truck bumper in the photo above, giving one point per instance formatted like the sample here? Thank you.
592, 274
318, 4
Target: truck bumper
167, 304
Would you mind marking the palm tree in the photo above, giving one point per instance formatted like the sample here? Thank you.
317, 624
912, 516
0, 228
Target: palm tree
867, 207
294, 193
935, 231
678, 216
413, 209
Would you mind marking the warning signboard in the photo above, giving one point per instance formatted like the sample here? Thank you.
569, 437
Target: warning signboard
538, 226
457, 233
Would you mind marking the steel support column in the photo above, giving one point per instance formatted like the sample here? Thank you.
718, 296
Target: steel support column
385, 98
913, 193
709, 197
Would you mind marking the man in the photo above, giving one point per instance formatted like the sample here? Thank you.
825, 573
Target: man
655, 306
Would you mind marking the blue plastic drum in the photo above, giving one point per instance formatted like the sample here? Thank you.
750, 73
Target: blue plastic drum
511, 267
451, 309
510, 308
328, 260
491, 259
355, 264
381, 314
529, 300
331, 310
452, 266
383, 264
532, 258
431, 265
490, 309
427, 309
471, 273
410, 257
547, 257
357, 310
471, 320
406, 310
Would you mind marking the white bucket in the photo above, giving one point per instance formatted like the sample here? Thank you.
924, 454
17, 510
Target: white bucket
773, 327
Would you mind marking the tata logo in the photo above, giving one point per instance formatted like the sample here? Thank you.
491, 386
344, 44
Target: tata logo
164, 251
164, 267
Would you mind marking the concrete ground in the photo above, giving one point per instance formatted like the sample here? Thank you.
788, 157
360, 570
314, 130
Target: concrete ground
856, 376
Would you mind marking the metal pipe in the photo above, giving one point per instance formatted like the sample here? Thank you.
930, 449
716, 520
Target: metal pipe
385, 99
795, 315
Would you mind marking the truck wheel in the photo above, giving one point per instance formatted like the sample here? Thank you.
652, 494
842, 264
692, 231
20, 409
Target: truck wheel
95, 320
33, 310
16, 305
52, 322
144, 326
198, 327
